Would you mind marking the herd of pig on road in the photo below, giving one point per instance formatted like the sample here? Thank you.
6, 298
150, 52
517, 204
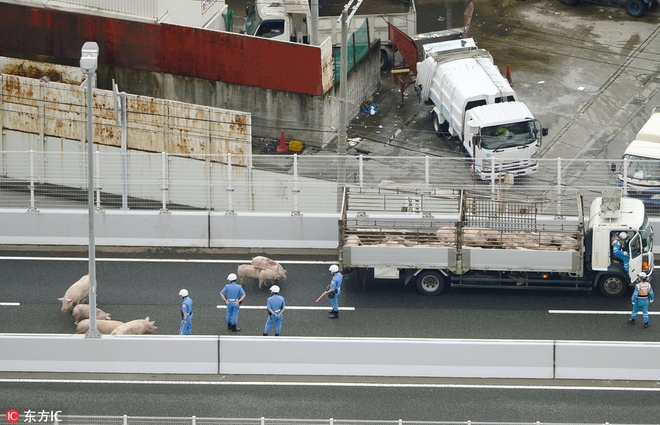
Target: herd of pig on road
265, 270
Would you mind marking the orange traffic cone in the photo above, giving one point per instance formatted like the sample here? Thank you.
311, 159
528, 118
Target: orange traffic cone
282, 147
508, 74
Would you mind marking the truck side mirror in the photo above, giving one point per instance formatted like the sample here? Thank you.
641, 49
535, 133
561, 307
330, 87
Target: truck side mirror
613, 168
544, 131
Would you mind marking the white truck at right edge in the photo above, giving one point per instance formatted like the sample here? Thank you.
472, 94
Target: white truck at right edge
640, 172
475, 103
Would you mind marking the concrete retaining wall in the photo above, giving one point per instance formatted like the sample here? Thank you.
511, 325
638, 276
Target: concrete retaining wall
386, 357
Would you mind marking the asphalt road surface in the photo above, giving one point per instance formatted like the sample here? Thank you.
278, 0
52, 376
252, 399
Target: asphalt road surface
131, 288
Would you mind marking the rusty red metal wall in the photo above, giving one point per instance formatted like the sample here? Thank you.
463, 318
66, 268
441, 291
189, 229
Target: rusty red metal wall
172, 49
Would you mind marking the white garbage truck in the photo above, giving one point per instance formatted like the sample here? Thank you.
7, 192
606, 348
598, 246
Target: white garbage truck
639, 174
289, 20
475, 103
459, 239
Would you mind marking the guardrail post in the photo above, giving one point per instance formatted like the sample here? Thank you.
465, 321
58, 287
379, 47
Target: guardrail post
32, 207
125, 419
164, 181
263, 420
194, 420
229, 187
296, 185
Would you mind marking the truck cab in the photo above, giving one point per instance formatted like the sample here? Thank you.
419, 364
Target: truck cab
610, 215
284, 20
640, 172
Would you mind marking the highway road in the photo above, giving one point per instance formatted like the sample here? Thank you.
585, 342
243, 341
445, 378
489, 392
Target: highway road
132, 288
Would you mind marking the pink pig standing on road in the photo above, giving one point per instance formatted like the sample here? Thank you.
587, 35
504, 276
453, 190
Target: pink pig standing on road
75, 294
261, 273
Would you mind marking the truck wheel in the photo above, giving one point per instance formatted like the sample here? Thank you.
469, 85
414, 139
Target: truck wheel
635, 8
570, 2
430, 283
612, 286
384, 60
440, 129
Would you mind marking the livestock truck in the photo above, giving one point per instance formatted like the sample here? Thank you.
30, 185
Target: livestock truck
640, 170
289, 20
459, 239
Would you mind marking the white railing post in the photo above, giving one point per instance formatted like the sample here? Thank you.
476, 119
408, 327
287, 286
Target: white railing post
296, 186
263, 421
194, 420
125, 419
124, 154
229, 187
492, 176
32, 208
361, 170
559, 187
625, 176
164, 182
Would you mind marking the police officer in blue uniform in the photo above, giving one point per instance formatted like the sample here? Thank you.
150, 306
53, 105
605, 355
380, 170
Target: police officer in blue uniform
641, 296
275, 306
186, 313
232, 294
619, 250
334, 290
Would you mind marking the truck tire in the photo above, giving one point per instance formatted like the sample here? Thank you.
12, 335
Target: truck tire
384, 60
570, 2
635, 8
612, 286
430, 282
440, 129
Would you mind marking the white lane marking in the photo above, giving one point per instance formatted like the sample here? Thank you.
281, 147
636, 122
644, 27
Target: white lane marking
7, 304
595, 312
154, 260
256, 307
329, 384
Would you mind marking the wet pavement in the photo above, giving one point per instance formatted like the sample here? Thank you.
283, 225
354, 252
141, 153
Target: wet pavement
590, 74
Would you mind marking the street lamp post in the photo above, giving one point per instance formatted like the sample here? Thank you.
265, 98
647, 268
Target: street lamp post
88, 64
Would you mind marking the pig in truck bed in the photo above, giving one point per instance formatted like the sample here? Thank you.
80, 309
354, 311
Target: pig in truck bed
458, 239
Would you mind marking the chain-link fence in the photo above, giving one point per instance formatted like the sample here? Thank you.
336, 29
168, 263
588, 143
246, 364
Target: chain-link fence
289, 183
142, 420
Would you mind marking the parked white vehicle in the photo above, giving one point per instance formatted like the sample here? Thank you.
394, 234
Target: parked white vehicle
475, 103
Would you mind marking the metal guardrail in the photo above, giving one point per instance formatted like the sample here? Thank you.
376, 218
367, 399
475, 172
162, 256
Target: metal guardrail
282, 183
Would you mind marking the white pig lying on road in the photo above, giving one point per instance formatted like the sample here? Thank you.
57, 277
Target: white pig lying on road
136, 327
267, 263
103, 326
255, 272
82, 311
75, 294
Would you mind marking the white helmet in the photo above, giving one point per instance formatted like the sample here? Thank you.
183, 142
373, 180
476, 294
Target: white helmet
275, 289
232, 277
623, 235
183, 292
333, 268
643, 275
